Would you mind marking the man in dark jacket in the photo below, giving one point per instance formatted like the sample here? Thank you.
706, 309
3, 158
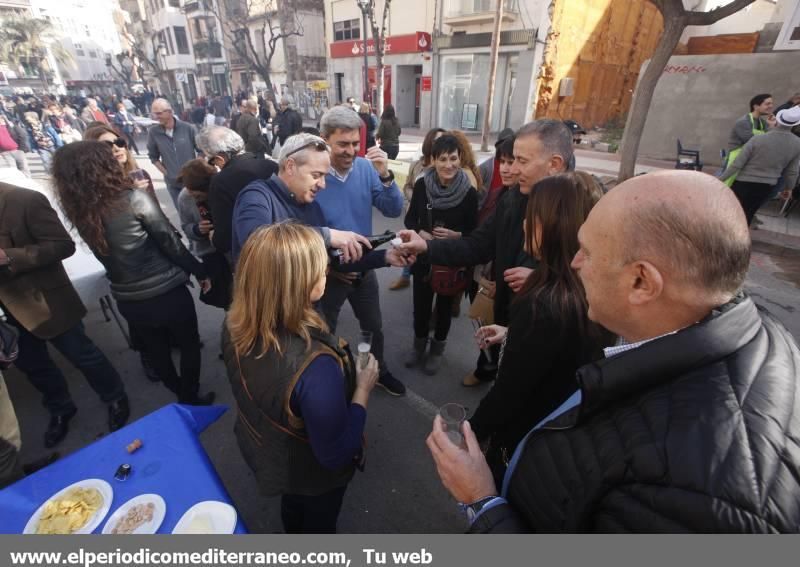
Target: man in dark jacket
288, 121
39, 299
249, 128
225, 149
541, 148
690, 423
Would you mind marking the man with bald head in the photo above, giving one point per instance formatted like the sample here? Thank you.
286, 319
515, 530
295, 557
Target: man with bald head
690, 423
170, 144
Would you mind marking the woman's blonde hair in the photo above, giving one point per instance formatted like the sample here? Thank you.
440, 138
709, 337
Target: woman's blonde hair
277, 270
468, 159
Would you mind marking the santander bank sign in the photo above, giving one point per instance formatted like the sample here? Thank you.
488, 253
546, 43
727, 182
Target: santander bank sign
419, 42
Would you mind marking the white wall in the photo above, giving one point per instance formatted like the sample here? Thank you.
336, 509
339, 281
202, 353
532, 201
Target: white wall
748, 20
692, 106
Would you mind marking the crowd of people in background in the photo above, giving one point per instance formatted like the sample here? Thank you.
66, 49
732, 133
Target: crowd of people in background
631, 372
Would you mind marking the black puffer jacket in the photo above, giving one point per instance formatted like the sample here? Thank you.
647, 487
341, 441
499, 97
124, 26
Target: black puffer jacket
694, 432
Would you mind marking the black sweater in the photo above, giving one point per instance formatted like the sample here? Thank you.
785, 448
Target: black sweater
536, 374
462, 218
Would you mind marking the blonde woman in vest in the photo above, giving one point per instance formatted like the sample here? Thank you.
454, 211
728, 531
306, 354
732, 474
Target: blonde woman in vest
301, 400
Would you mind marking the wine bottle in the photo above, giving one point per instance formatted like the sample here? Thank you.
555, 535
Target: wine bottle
376, 240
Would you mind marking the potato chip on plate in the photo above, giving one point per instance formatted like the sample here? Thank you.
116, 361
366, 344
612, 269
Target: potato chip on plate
76, 509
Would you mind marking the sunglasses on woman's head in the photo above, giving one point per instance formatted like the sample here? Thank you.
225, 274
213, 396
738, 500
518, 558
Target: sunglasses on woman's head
119, 142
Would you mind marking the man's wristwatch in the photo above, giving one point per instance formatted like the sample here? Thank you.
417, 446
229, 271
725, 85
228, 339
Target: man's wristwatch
388, 178
472, 510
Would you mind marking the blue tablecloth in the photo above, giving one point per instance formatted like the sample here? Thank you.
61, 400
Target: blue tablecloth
171, 463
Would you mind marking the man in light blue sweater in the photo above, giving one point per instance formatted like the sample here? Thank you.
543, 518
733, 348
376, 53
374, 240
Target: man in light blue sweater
353, 186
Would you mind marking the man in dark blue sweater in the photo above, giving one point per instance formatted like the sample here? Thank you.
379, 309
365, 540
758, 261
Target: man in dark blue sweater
291, 194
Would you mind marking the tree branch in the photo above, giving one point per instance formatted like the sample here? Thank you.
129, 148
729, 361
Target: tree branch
715, 15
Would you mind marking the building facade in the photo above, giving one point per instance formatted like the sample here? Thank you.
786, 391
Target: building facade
208, 45
408, 58
462, 58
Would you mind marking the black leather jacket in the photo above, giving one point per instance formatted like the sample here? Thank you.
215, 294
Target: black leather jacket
692, 432
146, 256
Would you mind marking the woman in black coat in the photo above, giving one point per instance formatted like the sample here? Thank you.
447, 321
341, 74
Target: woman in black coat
549, 335
444, 205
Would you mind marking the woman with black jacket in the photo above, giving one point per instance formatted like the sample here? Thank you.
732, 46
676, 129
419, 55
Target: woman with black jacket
444, 205
549, 335
144, 258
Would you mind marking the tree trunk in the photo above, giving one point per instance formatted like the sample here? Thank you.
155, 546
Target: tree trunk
673, 28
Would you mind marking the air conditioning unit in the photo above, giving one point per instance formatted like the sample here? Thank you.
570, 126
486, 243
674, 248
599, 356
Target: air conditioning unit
566, 87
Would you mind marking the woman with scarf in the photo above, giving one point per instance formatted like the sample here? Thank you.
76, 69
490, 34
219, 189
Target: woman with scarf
444, 205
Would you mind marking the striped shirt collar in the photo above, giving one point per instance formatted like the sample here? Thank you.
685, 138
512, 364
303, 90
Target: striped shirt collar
624, 346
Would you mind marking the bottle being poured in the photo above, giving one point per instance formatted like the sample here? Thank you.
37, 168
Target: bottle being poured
335, 255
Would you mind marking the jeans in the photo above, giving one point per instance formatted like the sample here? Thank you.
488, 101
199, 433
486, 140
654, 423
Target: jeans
131, 141
159, 321
423, 309
364, 299
34, 360
174, 191
47, 158
312, 514
16, 158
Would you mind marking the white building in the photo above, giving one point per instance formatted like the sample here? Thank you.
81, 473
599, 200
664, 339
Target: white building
173, 50
208, 45
89, 33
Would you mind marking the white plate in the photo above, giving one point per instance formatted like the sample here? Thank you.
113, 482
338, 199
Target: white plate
150, 527
215, 517
101, 486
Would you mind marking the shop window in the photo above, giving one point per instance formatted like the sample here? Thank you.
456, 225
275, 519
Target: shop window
348, 29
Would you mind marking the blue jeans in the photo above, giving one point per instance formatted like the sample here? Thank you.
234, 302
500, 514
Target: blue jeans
34, 360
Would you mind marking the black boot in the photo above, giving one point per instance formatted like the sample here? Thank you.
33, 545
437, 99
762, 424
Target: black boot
205, 400
58, 428
118, 413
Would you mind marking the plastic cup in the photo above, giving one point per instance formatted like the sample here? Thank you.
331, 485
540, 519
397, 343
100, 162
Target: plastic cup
453, 415
364, 348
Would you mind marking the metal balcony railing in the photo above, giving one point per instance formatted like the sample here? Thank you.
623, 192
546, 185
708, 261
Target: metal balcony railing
460, 8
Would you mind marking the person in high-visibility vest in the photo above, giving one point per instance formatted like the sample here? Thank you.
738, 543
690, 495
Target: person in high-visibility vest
751, 124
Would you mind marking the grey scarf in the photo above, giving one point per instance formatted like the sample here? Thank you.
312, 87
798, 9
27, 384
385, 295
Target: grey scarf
446, 197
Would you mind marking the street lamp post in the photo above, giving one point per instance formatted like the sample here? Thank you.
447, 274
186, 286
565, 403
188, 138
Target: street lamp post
364, 5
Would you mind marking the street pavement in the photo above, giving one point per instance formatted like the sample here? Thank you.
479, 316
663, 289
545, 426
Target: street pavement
399, 490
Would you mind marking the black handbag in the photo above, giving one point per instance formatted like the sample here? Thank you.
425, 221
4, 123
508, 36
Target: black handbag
219, 272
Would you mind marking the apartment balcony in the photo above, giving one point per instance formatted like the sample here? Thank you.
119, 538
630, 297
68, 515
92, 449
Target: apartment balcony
207, 49
466, 12
192, 6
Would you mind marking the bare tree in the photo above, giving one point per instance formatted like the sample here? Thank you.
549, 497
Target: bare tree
257, 48
125, 68
676, 18
379, 40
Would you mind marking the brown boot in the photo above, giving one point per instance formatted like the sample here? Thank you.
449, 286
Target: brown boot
400, 283
470, 380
